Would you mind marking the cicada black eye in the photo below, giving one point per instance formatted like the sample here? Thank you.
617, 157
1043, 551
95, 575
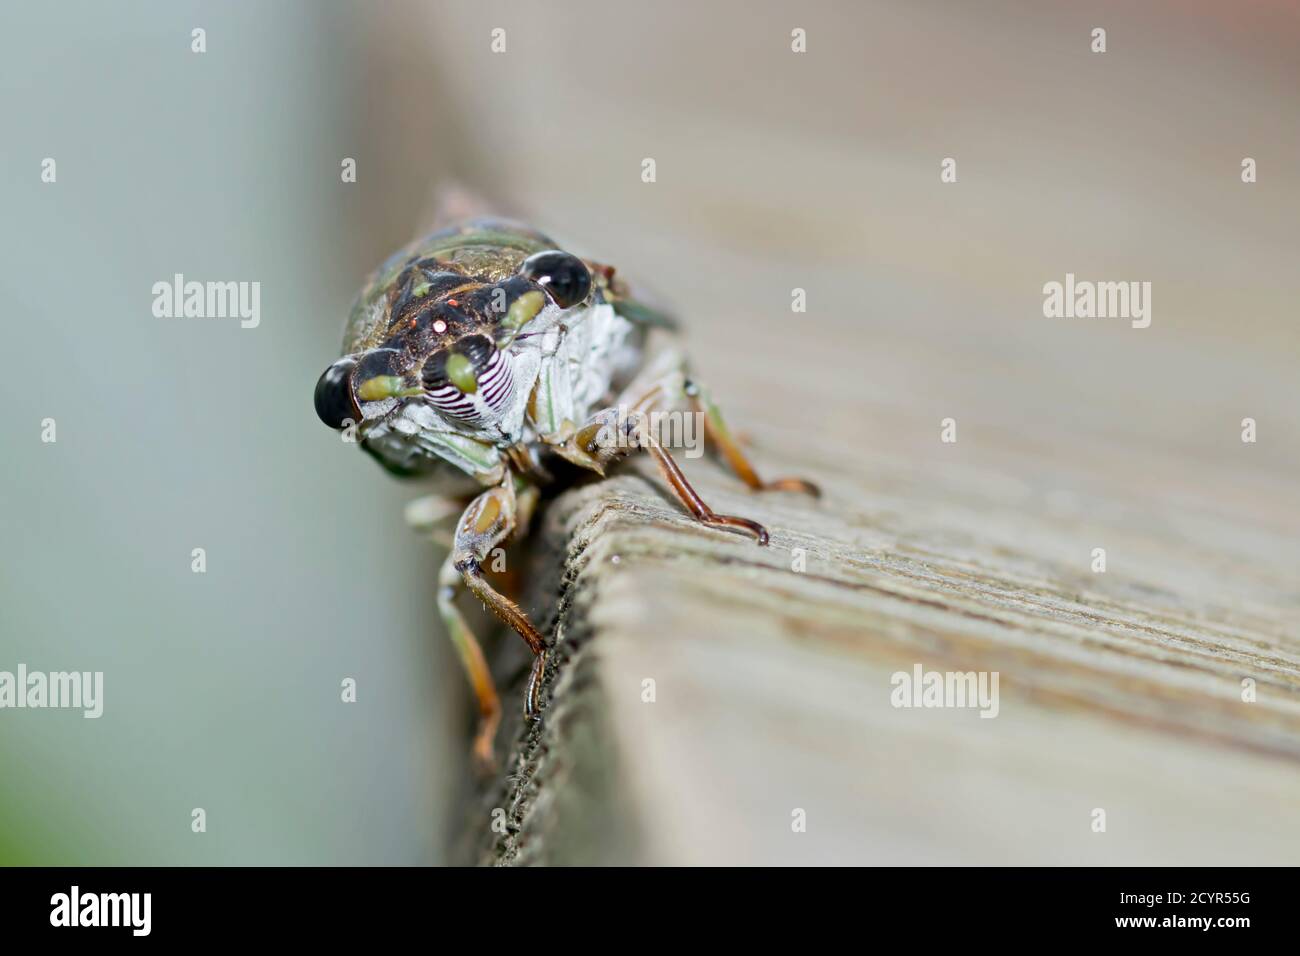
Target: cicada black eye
335, 402
564, 277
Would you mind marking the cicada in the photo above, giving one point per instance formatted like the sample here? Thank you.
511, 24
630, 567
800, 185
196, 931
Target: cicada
494, 363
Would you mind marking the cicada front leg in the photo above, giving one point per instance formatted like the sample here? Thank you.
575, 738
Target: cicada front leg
613, 433
489, 520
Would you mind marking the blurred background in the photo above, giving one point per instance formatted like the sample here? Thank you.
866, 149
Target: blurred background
774, 170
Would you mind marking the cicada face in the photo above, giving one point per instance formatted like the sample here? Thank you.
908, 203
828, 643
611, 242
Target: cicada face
444, 346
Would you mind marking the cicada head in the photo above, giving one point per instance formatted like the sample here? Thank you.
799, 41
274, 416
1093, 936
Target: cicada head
458, 354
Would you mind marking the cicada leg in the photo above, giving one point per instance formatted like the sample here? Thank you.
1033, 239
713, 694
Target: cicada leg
471, 658
613, 433
489, 520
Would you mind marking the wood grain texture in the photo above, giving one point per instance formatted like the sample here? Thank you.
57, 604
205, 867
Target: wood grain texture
1117, 691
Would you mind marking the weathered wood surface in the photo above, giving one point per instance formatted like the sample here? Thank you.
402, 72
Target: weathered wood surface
773, 687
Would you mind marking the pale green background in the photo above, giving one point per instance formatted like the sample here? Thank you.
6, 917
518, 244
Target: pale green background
222, 689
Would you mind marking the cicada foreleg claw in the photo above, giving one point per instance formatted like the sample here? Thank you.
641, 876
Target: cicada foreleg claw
613, 433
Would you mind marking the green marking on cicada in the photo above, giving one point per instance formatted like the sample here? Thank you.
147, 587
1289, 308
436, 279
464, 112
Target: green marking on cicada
522, 311
385, 386
460, 372
469, 455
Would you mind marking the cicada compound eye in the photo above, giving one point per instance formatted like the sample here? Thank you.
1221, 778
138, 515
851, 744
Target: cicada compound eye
564, 276
336, 404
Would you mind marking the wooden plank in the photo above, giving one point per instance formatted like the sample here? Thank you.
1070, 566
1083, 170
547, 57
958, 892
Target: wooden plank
1119, 690
773, 687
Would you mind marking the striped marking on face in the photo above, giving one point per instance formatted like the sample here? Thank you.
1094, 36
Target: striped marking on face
496, 386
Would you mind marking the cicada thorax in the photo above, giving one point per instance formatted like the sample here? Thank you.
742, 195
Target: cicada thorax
487, 250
